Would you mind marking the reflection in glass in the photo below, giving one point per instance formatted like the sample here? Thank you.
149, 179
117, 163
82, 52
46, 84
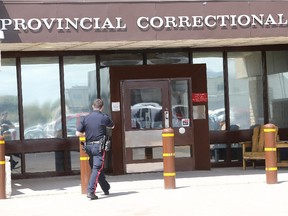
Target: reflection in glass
9, 121
157, 153
245, 86
146, 108
183, 151
236, 152
147, 153
180, 103
15, 163
112, 60
215, 86
41, 95
80, 90
218, 153
278, 87
40, 162
167, 58
105, 89
75, 155
138, 154
180, 152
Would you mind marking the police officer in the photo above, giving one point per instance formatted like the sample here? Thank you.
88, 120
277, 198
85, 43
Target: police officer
94, 126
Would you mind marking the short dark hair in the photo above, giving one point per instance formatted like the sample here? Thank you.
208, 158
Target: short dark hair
98, 103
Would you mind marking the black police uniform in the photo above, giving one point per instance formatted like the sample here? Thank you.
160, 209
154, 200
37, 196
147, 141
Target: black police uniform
94, 125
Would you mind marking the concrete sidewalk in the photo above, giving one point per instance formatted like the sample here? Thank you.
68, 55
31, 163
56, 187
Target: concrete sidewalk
221, 191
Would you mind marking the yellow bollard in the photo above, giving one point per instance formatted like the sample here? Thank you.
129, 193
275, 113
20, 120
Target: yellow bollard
168, 158
85, 169
270, 153
2, 169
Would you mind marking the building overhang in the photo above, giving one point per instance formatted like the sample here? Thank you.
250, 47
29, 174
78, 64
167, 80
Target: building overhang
140, 45
145, 25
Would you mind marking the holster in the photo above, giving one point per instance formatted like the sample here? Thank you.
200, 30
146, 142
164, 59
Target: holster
105, 143
84, 146
102, 142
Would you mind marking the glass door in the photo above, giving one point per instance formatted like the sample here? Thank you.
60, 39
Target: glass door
145, 102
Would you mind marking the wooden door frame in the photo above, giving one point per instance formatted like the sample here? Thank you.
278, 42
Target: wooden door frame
196, 72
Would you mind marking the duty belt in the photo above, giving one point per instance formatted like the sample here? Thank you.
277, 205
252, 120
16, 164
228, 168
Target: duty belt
93, 142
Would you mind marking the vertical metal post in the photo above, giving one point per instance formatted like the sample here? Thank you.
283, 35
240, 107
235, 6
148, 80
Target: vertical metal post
2, 169
270, 153
168, 158
85, 168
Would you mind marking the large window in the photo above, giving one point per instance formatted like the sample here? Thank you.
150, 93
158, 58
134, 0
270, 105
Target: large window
245, 89
41, 106
9, 100
80, 89
41, 95
215, 87
277, 65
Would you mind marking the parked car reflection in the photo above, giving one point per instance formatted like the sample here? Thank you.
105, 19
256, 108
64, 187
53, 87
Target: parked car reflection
53, 129
149, 115
146, 116
34, 132
72, 121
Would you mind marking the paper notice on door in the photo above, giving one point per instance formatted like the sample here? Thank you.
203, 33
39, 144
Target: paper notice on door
115, 106
199, 112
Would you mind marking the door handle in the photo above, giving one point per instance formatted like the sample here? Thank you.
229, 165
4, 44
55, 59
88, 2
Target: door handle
166, 116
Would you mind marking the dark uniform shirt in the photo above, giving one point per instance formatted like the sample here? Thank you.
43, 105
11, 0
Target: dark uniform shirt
94, 125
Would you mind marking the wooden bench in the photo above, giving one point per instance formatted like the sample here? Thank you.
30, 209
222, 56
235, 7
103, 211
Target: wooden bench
254, 150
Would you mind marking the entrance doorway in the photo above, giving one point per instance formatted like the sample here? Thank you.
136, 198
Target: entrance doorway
145, 100
149, 106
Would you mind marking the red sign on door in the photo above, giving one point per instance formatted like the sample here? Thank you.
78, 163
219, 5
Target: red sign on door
199, 97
